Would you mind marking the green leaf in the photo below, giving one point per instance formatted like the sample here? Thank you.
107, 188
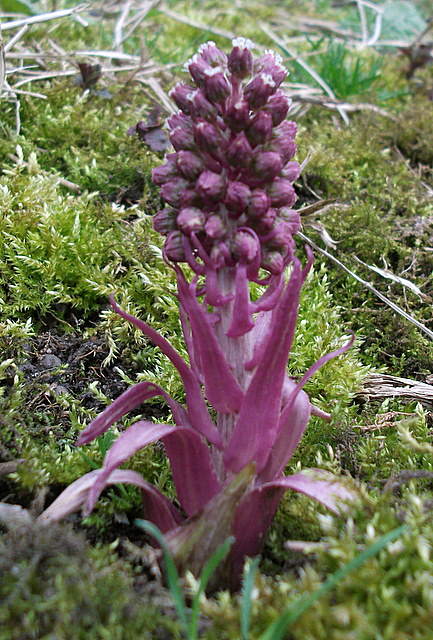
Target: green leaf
277, 629
191, 628
171, 572
208, 570
18, 6
247, 587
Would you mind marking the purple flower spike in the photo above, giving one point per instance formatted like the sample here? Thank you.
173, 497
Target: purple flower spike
200, 107
271, 64
237, 198
291, 171
211, 186
259, 204
245, 246
291, 217
198, 68
229, 191
278, 106
191, 220
240, 61
171, 191
237, 116
182, 138
239, 151
179, 119
180, 94
207, 136
189, 164
260, 128
218, 256
284, 146
216, 85
173, 247
165, 172
215, 227
273, 261
266, 222
282, 193
212, 54
165, 221
267, 165
259, 89
233, 152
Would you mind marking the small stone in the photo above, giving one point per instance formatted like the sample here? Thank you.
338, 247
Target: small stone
60, 390
50, 361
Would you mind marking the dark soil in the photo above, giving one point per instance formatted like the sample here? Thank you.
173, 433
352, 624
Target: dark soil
59, 364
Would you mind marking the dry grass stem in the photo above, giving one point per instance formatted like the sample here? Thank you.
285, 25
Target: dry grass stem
22, 92
120, 23
43, 17
2, 67
391, 276
179, 17
14, 50
12, 42
62, 181
395, 482
370, 287
368, 40
412, 170
154, 85
377, 386
344, 106
273, 36
135, 22
306, 24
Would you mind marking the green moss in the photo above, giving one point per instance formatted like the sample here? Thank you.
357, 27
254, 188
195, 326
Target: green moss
386, 223
387, 597
57, 250
54, 586
82, 136
415, 138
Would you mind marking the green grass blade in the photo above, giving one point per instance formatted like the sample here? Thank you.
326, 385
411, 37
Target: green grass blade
278, 628
208, 570
18, 6
247, 587
171, 572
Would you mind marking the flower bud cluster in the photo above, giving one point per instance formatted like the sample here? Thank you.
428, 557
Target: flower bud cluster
228, 185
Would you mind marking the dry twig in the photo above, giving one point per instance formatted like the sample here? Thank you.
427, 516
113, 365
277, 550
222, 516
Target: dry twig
335, 104
370, 287
43, 17
327, 89
62, 181
377, 386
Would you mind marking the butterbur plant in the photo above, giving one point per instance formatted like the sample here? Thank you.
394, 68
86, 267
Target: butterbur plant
228, 189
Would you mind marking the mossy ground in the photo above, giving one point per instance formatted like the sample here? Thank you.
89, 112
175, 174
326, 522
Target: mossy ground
65, 354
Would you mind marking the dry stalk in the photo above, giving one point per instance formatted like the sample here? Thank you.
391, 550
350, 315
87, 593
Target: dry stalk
370, 287
43, 17
327, 89
62, 181
347, 107
179, 17
377, 386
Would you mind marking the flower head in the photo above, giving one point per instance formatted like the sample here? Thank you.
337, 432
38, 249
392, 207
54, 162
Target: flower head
234, 149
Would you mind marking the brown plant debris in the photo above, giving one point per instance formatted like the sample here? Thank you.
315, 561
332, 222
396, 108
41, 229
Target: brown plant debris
379, 385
